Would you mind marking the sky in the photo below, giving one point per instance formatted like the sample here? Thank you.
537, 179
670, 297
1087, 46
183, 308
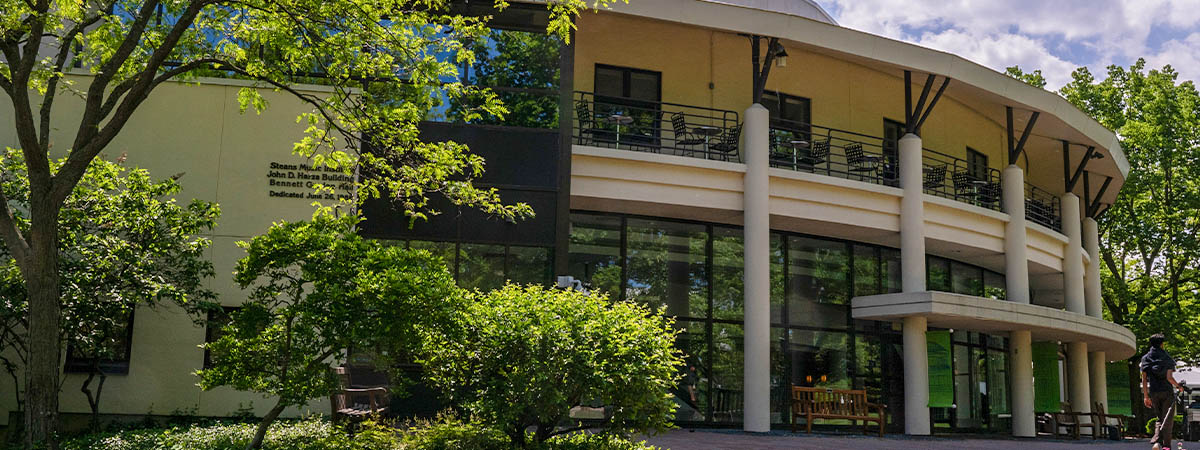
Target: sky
1055, 36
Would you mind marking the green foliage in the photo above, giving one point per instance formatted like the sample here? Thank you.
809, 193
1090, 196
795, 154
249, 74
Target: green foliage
1034, 78
124, 244
285, 435
1151, 236
316, 289
522, 357
448, 433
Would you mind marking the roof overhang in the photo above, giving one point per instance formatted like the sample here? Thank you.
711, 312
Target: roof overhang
973, 83
966, 312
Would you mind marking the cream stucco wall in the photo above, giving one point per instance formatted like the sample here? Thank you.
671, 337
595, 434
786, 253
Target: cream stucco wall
224, 156
845, 95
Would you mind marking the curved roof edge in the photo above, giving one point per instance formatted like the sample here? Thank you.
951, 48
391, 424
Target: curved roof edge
722, 15
800, 8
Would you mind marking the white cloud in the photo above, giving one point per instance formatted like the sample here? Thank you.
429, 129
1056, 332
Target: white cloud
1055, 36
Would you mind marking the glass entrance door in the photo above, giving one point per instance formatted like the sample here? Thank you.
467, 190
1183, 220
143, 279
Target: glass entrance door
980, 383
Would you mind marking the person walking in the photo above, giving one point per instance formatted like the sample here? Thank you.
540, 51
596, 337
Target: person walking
1158, 377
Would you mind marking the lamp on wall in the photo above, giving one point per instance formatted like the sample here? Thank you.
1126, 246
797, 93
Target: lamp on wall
780, 54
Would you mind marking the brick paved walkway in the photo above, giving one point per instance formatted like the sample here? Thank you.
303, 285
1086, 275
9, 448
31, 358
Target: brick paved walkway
736, 440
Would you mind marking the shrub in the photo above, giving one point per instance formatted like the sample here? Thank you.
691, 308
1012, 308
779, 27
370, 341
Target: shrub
523, 357
452, 434
283, 435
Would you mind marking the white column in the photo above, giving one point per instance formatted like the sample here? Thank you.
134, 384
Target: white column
912, 215
755, 147
1079, 382
1016, 260
1091, 285
1020, 353
1098, 370
1072, 255
916, 376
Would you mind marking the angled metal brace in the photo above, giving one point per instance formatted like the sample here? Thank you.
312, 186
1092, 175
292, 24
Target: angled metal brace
914, 117
1015, 150
1087, 157
1094, 207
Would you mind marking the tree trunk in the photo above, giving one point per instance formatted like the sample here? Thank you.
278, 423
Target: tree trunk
261, 432
40, 272
94, 400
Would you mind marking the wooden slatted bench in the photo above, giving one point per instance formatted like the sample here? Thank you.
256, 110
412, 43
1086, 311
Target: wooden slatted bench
824, 403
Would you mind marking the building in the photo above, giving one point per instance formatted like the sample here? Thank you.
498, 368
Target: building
885, 199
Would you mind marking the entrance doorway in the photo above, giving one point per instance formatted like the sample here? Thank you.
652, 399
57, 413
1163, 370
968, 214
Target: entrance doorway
981, 388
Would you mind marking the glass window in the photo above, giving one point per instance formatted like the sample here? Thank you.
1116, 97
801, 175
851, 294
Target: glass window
866, 270
727, 370
595, 253
666, 265
481, 266
819, 358
997, 387
939, 274
692, 391
966, 279
818, 292
994, 285
977, 164
528, 265
778, 279
444, 250
525, 65
109, 354
217, 320
892, 272
728, 270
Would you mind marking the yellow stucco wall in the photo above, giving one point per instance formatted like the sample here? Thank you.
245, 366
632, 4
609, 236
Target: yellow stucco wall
224, 155
845, 95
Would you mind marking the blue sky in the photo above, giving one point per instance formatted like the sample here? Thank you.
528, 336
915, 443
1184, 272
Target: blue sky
1055, 36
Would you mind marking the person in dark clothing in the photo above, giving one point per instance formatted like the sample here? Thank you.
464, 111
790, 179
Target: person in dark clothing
1158, 376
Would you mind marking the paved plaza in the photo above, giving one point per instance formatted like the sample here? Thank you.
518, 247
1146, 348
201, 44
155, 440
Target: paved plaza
737, 440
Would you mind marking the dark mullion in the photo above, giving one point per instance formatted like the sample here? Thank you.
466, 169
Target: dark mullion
708, 323
852, 363
624, 255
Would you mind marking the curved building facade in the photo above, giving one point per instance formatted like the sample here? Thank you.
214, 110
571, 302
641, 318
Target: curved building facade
816, 206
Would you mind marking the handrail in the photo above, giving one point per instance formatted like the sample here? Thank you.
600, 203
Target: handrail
829, 151
656, 127
1043, 207
954, 178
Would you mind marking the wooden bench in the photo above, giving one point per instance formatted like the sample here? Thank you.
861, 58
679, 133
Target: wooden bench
362, 392
823, 403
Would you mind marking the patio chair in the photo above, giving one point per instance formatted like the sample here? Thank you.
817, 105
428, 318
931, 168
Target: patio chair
727, 142
1037, 211
964, 186
818, 153
587, 122
859, 162
363, 392
989, 194
683, 136
935, 178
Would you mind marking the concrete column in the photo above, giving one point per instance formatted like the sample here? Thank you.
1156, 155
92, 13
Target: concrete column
916, 376
1020, 353
1016, 260
1091, 286
1072, 255
1098, 370
755, 148
1078, 381
912, 215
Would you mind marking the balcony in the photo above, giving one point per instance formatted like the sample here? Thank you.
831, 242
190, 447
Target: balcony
715, 134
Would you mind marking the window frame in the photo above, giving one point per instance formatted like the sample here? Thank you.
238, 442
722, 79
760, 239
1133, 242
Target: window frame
209, 331
977, 164
82, 364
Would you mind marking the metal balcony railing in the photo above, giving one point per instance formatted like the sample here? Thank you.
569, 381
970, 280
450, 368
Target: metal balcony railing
829, 151
954, 178
1043, 207
656, 127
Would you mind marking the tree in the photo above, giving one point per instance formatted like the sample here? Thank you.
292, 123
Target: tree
522, 357
317, 289
126, 244
1150, 241
1034, 78
402, 51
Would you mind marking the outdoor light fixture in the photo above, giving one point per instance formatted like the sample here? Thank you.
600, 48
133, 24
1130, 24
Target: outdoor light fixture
780, 55
1097, 155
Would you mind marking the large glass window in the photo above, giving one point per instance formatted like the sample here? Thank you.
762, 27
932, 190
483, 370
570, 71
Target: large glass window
695, 271
817, 282
522, 69
489, 266
109, 355
667, 266
596, 252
